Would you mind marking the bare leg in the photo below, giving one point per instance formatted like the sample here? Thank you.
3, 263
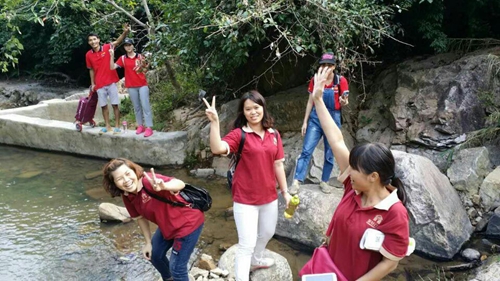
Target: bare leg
105, 115
116, 111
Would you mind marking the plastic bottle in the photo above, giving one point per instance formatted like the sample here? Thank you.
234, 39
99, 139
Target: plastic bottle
124, 126
294, 202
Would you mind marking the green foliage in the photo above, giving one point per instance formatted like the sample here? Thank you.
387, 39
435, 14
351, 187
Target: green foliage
165, 98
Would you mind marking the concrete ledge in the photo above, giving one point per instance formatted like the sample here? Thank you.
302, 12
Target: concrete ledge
159, 149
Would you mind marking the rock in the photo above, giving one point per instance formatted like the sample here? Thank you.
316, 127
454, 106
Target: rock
493, 228
198, 272
438, 221
490, 190
202, 173
220, 165
29, 175
470, 254
93, 175
311, 219
229, 212
206, 262
111, 212
280, 271
487, 272
469, 168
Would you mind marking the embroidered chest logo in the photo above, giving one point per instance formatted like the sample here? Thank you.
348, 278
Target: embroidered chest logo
375, 222
145, 198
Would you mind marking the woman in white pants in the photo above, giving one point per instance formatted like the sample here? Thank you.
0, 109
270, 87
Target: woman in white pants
254, 182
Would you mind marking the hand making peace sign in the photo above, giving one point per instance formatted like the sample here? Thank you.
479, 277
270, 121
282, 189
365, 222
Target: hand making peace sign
211, 111
157, 184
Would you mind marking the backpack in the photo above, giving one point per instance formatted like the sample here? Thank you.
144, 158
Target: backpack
197, 198
235, 158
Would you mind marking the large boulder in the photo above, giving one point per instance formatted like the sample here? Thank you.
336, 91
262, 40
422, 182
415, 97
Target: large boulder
489, 271
113, 213
280, 271
438, 220
469, 168
430, 103
310, 221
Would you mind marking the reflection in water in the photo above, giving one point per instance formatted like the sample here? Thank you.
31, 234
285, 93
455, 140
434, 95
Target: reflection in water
50, 226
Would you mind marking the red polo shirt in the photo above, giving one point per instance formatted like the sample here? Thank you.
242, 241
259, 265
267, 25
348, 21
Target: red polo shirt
133, 79
350, 222
174, 222
99, 62
254, 181
339, 85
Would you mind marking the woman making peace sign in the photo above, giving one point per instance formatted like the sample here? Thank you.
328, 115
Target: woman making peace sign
254, 184
177, 226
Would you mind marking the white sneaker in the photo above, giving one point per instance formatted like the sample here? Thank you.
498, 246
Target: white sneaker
294, 188
326, 188
264, 263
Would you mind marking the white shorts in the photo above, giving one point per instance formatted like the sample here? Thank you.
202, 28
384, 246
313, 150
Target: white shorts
110, 91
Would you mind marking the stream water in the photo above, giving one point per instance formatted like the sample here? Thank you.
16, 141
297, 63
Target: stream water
50, 229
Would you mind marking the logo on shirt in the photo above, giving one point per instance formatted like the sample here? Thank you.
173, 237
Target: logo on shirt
375, 222
145, 198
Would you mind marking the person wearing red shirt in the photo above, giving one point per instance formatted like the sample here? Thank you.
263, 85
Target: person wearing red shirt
255, 199
373, 199
136, 84
103, 79
336, 93
178, 227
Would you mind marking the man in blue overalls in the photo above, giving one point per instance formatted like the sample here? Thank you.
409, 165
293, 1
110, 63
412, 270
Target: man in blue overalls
335, 95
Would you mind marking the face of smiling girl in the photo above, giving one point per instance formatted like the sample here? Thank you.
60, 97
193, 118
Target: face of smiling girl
126, 179
253, 112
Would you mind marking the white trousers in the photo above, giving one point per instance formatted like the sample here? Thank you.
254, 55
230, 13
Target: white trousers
256, 225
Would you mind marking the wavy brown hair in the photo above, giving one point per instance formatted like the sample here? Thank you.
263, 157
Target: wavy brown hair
241, 120
108, 182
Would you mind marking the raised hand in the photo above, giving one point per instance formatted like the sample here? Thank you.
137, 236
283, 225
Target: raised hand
320, 79
211, 112
158, 184
126, 28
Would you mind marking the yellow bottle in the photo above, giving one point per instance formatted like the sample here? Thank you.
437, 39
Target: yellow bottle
294, 202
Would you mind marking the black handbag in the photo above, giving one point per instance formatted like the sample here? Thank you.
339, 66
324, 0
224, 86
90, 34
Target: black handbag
197, 198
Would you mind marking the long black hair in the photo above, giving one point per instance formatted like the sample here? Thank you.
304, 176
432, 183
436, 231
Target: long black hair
241, 120
375, 157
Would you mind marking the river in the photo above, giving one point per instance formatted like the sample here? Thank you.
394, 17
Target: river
50, 229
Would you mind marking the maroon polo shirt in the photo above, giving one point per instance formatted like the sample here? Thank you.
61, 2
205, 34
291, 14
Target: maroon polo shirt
254, 181
99, 62
350, 222
174, 222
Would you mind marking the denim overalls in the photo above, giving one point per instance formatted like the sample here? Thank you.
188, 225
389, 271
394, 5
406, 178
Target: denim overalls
313, 135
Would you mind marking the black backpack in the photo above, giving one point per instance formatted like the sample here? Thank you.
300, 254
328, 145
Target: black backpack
235, 158
197, 198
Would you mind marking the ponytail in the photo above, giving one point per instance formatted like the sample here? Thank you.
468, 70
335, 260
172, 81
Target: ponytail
397, 183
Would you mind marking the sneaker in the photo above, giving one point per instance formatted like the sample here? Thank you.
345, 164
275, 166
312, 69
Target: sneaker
140, 130
326, 188
148, 132
264, 263
103, 131
294, 188
116, 131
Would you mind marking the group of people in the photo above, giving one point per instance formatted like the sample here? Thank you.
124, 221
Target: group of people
103, 79
373, 196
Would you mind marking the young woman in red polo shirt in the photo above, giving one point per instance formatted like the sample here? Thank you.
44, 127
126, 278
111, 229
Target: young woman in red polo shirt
373, 198
255, 199
136, 84
178, 227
